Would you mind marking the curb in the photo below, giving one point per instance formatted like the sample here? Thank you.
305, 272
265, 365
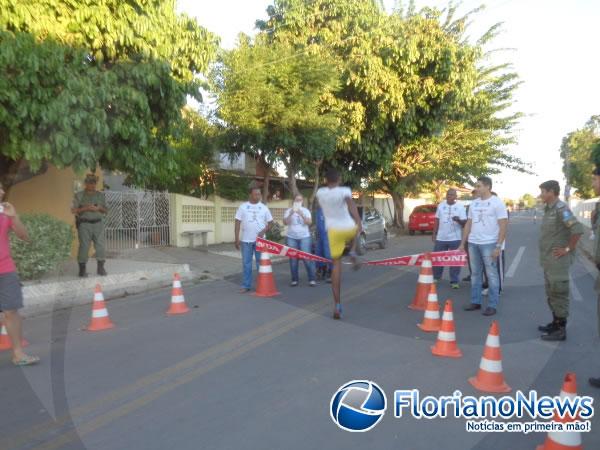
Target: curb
47, 297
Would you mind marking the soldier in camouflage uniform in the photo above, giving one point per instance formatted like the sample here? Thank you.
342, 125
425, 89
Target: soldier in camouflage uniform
560, 233
89, 207
596, 185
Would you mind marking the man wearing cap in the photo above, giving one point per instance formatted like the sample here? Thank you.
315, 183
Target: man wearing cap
89, 207
560, 233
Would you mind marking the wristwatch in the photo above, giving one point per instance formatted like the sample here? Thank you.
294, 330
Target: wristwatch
567, 249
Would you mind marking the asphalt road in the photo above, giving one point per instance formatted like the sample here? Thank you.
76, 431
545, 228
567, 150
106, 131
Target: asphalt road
241, 372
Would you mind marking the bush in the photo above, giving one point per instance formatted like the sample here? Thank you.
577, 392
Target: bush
274, 234
50, 244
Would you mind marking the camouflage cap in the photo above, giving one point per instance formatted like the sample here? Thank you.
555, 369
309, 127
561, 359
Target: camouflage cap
91, 178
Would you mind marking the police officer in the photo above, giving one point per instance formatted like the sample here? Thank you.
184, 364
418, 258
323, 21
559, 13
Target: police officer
560, 233
89, 207
596, 185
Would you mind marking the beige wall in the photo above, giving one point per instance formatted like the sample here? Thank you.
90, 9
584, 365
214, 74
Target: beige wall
215, 215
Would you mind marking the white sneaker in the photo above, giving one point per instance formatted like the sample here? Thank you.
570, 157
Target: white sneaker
294, 283
312, 283
485, 292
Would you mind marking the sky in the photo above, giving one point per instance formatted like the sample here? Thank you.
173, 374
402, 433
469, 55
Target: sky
553, 49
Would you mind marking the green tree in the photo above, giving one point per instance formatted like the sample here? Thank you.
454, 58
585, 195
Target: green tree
272, 103
418, 104
95, 82
527, 201
578, 157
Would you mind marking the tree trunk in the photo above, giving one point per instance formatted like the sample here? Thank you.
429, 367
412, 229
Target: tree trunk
398, 209
316, 184
265, 193
291, 173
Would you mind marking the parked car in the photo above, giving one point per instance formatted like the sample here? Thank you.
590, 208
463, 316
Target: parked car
374, 229
422, 219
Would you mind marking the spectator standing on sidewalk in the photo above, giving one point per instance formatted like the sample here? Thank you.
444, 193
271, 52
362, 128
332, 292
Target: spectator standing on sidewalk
485, 232
89, 207
559, 236
253, 219
298, 220
596, 185
450, 218
322, 244
11, 294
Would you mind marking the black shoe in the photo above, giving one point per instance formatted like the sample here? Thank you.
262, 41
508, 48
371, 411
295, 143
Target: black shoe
560, 334
82, 272
552, 326
467, 279
489, 311
101, 270
472, 307
595, 382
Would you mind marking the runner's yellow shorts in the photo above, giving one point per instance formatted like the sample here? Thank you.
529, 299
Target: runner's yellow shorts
338, 240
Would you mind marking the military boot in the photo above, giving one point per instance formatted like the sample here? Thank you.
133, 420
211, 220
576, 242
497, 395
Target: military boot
558, 334
82, 272
549, 327
101, 270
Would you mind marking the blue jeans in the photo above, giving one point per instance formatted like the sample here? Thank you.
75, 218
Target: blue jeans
480, 255
443, 246
305, 246
249, 250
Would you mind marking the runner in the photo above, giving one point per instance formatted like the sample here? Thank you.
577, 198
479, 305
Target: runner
343, 226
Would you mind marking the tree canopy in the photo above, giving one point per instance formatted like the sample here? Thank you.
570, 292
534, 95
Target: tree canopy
86, 82
577, 153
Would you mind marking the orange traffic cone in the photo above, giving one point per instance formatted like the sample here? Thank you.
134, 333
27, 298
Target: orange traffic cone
423, 285
100, 319
265, 283
490, 377
564, 440
446, 340
5, 342
431, 320
178, 305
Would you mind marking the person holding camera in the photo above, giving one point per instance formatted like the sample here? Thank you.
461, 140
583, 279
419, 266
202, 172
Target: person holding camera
298, 220
450, 218
89, 207
11, 294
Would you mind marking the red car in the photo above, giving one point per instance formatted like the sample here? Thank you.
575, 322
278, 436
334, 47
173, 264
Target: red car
422, 219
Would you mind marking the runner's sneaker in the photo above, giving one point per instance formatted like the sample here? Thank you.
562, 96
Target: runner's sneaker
454, 285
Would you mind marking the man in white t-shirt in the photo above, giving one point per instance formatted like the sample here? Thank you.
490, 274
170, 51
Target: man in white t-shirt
343, 226
254, 219
298, 219
450, 218
485, 232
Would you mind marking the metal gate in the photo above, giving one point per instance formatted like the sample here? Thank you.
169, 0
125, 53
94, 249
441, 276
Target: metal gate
137, 219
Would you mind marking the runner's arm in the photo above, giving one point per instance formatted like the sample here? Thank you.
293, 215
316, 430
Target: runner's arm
354, 213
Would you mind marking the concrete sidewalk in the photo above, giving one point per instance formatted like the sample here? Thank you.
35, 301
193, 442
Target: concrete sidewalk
134, 272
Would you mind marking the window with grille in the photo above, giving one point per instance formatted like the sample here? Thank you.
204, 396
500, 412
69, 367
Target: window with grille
197, 214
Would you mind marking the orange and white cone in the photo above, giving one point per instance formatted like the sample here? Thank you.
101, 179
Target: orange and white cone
446, 340
564, 440
100, 319
5, 341
423, 285
178, 305
489, 377
431, 320
265, 283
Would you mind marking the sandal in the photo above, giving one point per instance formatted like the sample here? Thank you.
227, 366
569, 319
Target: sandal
28, 360
337, 313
